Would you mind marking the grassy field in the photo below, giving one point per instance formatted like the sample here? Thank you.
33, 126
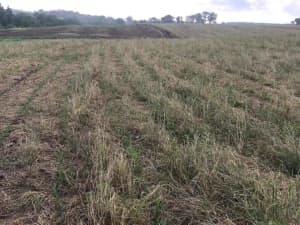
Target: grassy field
199, 130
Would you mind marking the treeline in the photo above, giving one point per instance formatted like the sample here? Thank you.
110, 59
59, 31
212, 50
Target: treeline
11, 18
84, 19
201, 18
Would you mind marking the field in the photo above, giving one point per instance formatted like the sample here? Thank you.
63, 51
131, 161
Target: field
203, 129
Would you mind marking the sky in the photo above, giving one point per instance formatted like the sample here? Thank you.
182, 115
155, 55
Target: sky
261, 11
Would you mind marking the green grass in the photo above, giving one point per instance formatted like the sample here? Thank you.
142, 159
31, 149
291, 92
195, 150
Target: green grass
24, 109
11, 39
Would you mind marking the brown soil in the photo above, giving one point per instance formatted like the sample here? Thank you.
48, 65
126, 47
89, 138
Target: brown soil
113, 32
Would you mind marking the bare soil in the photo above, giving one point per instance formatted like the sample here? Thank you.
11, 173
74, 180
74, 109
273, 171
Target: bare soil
113, 32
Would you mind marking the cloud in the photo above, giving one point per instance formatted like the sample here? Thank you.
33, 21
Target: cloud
232, 4
293, 8
272, 11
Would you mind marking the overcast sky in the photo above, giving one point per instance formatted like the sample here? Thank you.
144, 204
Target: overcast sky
268, 11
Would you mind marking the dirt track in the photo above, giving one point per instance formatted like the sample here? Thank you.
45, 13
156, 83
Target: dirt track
29, 138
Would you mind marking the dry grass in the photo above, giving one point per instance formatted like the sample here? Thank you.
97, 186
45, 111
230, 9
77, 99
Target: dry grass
190, 131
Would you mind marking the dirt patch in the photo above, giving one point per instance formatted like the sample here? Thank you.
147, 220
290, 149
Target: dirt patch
16, 80
113, 32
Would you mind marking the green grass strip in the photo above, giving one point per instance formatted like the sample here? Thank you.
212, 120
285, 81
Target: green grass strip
24, 110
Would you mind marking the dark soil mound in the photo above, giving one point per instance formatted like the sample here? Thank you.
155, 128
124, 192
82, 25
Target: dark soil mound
130, 31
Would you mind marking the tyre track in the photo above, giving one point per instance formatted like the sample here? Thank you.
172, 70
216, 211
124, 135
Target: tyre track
23, 111
18, 98
20, 79
32, 134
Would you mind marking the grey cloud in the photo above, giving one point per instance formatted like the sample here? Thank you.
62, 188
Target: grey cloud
233, 4
293, 9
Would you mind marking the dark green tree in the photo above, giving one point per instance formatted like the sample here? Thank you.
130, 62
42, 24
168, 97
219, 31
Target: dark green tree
9, 16
205, 16
297, 20
2, 15
24, 20
179, 19
212, 18
120, 21
167, 19
199, 18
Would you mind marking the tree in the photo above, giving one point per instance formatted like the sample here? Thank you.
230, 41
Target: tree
202, 18
297, 20
9, 17
154, 20
167, 19
190, 19
205, 16
179, 19
142, 21
42, 19
120, 21
198, 18
129, 20
212, 18
24, 20
2, 15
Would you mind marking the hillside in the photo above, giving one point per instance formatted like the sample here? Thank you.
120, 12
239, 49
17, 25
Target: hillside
230, 30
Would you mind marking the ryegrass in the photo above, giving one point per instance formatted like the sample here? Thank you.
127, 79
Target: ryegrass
24, 109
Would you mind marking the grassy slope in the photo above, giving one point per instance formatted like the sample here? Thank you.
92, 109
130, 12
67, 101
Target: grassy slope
202, 130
